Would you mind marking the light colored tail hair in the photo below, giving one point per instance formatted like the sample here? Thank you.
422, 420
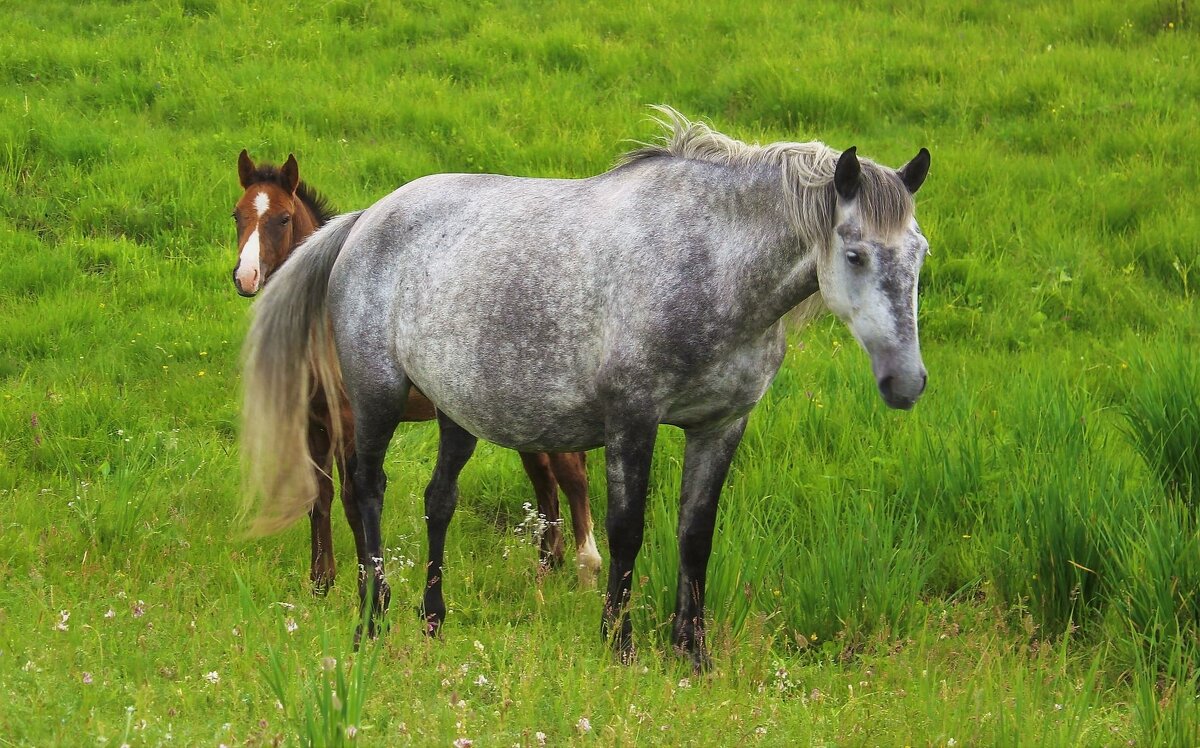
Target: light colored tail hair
287, 355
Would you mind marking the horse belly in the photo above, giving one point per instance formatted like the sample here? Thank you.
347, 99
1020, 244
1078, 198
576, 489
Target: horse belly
521, 377
527, 420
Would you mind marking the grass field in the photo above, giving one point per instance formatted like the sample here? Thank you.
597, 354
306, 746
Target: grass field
1015, 562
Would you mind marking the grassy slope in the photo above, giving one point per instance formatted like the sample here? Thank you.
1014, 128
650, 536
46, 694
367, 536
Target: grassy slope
930, 557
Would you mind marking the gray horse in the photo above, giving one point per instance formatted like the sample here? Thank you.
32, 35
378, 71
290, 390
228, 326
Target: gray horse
560, 315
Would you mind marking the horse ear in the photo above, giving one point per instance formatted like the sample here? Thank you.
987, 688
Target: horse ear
914, 172
846, 175
245, 169
290, 173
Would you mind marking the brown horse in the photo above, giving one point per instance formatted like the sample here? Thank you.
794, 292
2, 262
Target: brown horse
275, 214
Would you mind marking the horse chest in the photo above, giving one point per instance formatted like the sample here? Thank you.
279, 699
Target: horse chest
715, 401
729, 387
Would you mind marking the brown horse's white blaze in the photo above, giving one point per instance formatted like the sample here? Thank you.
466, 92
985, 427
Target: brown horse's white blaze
247, 275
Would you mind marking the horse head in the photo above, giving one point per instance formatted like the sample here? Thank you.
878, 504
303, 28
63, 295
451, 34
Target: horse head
868, 274
271, 221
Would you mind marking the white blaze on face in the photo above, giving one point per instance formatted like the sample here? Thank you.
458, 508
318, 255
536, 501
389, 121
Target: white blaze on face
249, 275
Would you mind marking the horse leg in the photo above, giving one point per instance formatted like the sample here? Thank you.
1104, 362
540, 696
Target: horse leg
705, 464
353, 515
570, 468
322, 568
545, 488
629, 449
455, 447
374, 424
343, 454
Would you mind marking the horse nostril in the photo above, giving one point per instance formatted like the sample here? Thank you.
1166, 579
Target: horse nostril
885, 385
924, 380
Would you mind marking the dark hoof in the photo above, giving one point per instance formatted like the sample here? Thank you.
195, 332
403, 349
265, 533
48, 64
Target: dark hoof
626, 654
431, 622
373, 631
701, 662
433, 627
320, 587
621, 642
552, 557
550, 561
383, 597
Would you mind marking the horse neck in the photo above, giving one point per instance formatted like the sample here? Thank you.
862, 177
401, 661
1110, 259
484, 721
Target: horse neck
777, 269
305, 223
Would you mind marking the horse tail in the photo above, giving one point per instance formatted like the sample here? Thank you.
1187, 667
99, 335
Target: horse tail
287, 357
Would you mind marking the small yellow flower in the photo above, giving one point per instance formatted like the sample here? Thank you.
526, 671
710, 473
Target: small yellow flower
200, 374
813, 636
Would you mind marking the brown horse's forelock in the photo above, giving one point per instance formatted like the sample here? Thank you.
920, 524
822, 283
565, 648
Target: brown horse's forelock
320, 206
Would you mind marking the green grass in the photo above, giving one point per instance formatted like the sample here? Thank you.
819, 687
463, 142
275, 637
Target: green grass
1163, 412
1013, 562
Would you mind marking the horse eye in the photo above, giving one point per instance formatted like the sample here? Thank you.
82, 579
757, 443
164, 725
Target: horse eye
284, 218
854, 258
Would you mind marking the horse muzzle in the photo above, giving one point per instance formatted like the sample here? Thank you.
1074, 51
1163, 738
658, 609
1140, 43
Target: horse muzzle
899, 373
902, 391
252, 282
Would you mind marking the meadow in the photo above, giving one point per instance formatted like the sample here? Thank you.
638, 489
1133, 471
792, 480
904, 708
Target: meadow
1014, 562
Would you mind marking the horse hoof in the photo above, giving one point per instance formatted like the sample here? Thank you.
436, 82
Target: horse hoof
549, 561
701, 662
626, 654
433, 627
621, 642
588, 577
588, 562
431, 622
371, 631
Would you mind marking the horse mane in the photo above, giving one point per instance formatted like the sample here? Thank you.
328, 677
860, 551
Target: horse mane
806, 171
320, 206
